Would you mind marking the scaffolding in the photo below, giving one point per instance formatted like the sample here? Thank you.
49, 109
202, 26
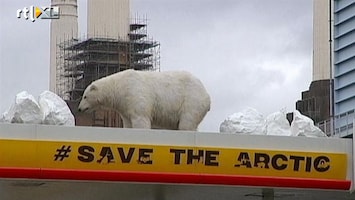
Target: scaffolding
81, 61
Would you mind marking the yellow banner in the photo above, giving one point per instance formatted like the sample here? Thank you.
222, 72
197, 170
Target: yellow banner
174, 159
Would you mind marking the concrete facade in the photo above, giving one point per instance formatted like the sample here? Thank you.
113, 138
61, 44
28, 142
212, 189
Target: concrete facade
108, 19
321, 35
62, 29
315, 102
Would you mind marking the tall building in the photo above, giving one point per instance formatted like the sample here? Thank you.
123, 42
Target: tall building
344, 67
113, 44
341, 70
316, 102
62, 29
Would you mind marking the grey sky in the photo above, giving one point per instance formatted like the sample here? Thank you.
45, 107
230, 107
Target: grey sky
254, 53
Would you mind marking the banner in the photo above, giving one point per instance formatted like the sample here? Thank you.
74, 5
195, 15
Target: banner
172, 159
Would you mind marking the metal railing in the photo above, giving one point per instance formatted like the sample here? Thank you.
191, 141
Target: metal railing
343, 125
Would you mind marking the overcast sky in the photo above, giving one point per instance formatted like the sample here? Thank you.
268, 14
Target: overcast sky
248, 53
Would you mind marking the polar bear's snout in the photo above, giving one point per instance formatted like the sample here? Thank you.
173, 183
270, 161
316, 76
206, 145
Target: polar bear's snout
83, 106
83, 110
80, 109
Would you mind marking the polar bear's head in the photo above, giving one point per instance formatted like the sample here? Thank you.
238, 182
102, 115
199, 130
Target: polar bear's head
91, 99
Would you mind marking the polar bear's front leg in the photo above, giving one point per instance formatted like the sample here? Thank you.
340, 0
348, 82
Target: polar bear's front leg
141, 122
188, 122
126, 122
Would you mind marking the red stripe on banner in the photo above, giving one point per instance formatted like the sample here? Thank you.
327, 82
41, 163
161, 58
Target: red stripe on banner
20, 172
155, 177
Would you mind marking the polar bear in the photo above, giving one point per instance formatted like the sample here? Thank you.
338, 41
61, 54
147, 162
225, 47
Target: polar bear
173, 100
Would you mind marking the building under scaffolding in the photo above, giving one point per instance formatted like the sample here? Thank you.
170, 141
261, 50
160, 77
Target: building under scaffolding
79, 62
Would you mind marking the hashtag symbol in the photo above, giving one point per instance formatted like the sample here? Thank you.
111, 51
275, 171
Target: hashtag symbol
62, 153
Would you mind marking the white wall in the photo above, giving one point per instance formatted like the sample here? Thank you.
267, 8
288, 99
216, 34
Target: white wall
62, 29
108, 19
321, 49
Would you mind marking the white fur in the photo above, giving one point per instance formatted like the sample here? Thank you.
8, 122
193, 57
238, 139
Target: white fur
167, 100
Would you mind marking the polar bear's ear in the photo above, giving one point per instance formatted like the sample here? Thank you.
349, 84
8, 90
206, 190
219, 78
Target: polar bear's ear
93, 87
